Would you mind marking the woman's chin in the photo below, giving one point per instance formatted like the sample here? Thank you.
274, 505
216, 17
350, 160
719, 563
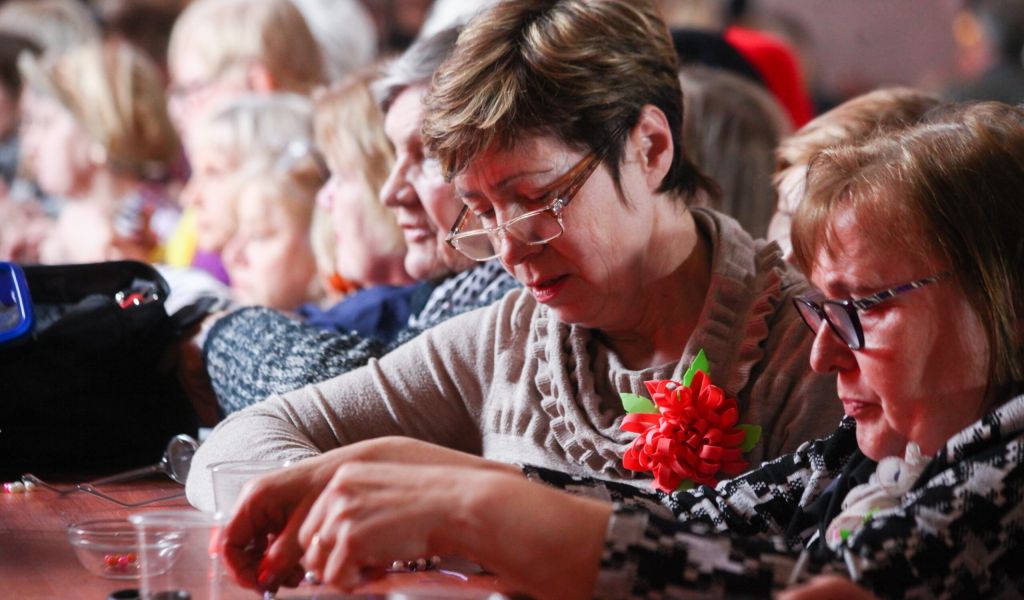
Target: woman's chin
877, 441
424, 265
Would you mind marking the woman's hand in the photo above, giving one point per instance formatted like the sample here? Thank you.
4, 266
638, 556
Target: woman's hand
261, 544
534, 538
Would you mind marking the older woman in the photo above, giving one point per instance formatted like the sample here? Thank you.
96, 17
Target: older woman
918, 493
254, 352
572, 161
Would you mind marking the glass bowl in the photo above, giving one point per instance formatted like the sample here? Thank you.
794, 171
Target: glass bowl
107, 547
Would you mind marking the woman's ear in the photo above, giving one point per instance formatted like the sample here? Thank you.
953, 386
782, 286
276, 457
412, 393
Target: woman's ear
652, 145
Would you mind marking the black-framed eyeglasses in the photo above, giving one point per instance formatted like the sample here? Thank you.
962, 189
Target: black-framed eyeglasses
841, 315
534, 228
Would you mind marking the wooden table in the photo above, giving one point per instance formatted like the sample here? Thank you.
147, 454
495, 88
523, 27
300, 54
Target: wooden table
37, 562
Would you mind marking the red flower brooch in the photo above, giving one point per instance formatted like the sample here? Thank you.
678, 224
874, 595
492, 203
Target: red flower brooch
689, 434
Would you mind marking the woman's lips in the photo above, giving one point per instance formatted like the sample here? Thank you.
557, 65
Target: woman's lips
417, 233
545, 290
859, 408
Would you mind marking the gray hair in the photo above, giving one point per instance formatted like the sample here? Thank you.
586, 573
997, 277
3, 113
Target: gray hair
416, 66
345, 32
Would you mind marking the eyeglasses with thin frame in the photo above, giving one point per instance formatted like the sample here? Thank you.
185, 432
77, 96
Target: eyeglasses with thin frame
534, 228
841, 315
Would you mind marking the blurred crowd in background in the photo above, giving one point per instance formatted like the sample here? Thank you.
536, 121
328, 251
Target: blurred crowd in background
241, 138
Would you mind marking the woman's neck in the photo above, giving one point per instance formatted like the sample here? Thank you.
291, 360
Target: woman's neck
670, 304
389, 271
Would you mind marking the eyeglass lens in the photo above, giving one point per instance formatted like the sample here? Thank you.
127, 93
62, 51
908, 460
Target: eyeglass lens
535, 229
839, 320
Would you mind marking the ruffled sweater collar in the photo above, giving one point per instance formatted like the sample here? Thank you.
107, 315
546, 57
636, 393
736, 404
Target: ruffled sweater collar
579, 379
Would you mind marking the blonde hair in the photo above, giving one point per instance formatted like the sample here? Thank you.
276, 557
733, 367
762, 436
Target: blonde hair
230, 33
54, 25
349, 129
290, 180
116, 95
256, 126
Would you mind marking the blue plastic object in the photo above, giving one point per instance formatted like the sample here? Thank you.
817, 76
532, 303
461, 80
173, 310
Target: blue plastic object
15, 303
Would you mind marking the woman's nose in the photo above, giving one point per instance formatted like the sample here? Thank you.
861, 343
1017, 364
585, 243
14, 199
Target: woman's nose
233, 254
512, 251
830, 354
397, 190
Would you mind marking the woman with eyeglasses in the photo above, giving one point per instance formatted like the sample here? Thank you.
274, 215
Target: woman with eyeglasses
559, 124
914, 239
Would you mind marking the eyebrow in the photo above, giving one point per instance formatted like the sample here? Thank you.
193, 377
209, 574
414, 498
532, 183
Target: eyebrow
846, 290
503, 184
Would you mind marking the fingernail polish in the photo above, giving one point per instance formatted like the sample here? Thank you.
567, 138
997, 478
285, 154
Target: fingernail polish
266, 579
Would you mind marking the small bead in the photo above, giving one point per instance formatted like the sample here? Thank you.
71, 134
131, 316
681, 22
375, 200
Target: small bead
122, 561
398, 566
421, 564
110, 560
14, 487
435, 561
29, 486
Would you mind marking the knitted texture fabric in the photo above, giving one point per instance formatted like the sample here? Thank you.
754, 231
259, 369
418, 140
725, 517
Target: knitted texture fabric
514, 384
254, 352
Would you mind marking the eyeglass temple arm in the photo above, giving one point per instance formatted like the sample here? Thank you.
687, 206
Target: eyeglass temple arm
89, 489
128, 475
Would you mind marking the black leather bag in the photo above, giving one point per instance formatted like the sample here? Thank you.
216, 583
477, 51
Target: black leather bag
92, 387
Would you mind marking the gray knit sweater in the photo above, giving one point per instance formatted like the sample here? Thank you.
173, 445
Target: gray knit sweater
513, 384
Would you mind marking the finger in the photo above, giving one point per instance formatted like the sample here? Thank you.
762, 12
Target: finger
316, 556
341, 570
284, 554
246, 536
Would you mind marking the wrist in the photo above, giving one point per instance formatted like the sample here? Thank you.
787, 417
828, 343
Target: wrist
539, 540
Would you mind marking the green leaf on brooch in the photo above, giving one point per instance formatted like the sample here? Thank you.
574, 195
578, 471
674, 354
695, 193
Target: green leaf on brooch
700, 363
686, 484
637, 404
752, 437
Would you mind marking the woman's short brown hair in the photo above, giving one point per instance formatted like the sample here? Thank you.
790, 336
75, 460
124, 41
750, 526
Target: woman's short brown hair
576, 70
949, 189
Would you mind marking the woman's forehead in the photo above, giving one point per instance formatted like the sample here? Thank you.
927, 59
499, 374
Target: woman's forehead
536, 159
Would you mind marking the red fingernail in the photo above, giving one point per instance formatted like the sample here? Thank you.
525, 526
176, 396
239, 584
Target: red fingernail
266, 579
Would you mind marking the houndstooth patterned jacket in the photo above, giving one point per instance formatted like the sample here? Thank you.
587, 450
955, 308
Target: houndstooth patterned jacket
958, 533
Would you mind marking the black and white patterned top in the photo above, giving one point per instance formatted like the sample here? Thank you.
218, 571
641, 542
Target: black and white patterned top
479, 286
958, 532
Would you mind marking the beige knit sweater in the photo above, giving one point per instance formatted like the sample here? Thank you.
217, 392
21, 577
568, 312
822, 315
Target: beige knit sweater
512, 384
